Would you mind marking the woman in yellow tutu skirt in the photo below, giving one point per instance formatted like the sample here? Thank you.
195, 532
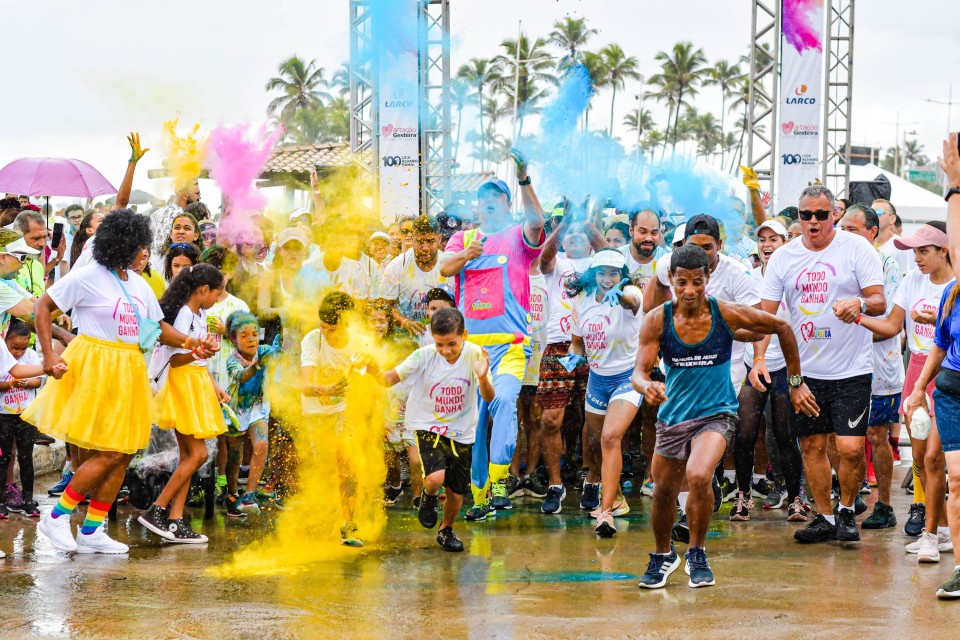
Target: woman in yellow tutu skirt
104, 402
189, 400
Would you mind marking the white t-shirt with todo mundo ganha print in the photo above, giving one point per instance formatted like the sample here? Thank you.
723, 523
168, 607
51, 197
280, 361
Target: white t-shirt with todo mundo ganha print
810, 282
404, 282
16, 400
560, 303
443, 396
100, 308
918, 293
611, 335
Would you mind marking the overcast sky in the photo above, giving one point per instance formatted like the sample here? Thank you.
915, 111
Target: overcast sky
81, 75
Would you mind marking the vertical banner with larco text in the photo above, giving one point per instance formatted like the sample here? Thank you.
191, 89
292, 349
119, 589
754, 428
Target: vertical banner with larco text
398, 97
801, 95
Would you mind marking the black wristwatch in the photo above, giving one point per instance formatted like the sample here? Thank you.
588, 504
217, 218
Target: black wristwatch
524, 183
952, 191
795, 381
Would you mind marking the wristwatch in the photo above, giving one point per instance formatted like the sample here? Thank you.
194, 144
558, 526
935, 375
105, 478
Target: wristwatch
524, 182
863, 305
795, 381
951, 192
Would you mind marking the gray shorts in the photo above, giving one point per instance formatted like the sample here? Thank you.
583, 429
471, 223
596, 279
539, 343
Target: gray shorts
673, 441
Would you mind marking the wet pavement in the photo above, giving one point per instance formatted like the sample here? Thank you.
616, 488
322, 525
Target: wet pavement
525, 575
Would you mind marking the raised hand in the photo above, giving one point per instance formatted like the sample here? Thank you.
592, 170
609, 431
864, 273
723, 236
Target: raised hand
521, 163
136, 151
750, 179
615, 295
482, 366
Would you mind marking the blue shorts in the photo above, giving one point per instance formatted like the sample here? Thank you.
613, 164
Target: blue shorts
884, 410
602, 390
948, 420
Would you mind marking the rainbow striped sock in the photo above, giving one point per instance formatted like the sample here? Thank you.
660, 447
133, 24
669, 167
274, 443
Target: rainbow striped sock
96, 514
68, 502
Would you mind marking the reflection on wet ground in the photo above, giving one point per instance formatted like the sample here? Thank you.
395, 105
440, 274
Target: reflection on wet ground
524, 575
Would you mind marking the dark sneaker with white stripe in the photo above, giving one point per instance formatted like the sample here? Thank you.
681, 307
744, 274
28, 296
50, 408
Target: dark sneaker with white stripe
659, 569
817, 531
552, 502
916, 521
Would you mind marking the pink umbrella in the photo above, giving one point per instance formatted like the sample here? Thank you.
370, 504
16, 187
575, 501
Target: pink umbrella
53, 177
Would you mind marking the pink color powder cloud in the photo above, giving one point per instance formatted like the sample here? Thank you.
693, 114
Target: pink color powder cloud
801, 26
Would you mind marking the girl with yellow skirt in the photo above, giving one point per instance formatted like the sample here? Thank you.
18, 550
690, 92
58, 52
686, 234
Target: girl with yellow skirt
189, 400
103, 403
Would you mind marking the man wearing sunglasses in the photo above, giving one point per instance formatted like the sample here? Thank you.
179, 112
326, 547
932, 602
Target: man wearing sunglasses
828, 278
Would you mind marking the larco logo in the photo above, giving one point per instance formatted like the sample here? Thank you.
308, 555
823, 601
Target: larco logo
398, 104
798, 96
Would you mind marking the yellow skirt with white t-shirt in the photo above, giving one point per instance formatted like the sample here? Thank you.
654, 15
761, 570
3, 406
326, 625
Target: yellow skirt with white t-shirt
103, 402
188, 403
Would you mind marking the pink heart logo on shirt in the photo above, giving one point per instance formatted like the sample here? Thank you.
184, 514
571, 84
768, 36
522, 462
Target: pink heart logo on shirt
787, 127
806, 331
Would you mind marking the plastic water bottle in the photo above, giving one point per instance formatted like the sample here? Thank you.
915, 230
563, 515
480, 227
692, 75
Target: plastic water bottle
920, 424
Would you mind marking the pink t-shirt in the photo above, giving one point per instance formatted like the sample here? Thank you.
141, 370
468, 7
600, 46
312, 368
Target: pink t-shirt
520, 255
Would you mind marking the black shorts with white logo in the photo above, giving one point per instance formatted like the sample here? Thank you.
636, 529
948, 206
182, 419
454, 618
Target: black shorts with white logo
844, 407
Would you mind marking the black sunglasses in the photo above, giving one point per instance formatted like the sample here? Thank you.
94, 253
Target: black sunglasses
821, 215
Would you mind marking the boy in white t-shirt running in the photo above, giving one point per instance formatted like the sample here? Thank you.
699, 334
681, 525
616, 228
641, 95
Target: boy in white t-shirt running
443, 379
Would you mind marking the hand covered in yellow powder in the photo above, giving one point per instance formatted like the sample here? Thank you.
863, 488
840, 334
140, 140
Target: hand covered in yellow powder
750, 179
136, 151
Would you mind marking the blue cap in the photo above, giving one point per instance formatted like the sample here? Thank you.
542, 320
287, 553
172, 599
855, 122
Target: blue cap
497, 184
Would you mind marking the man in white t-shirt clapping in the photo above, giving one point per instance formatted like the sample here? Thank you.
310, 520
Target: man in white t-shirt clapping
828, 279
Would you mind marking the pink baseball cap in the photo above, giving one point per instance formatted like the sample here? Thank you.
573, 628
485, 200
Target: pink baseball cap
924, 236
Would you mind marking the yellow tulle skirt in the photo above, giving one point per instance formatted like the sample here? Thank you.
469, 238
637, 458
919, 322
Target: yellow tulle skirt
188, 403
103, 402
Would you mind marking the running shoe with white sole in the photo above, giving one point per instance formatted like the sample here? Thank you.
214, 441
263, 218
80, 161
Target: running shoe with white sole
944, 544
701, 575
61, 485
916, 520
31, 509
480, 512
99, 542
761, 488
248, 504
605, 527
928, 550
58, 532
620, 508
646, 489
950, 590
552, 503
590, 499
660, 567
533, 487
392, 494
681, 530
776, 498
500, 495
797, 511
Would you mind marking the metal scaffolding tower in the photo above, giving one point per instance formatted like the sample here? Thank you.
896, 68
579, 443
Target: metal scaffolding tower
436, 160
363, 92
764, 81
435, 125
838, 97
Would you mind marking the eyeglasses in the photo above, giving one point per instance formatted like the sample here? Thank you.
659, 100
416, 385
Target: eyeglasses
821, 215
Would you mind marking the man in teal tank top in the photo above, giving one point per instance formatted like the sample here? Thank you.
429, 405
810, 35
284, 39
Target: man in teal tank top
698, 405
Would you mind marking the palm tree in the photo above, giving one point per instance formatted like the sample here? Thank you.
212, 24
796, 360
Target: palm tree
682, 71
571, 35
459, 96
619, 68
640, 122
301, 86
340, 80
913, 155
479, 73
726, 76
526, 68
596, 68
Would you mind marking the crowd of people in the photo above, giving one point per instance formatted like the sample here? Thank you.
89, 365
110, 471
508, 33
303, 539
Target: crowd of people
569, 350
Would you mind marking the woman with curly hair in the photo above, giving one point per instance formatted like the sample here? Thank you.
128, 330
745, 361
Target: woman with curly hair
111, 305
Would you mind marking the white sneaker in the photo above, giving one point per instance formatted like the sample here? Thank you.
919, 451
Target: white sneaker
58, 532
99, 542
2, 554
928, 551
944, 544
